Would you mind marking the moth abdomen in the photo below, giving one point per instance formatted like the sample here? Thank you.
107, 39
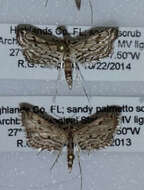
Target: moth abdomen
68, 69
70, 151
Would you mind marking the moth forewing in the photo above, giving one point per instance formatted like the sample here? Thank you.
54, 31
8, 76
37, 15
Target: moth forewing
93, 44
42, 130
99, 129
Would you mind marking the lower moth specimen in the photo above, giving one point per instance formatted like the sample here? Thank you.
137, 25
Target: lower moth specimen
48, 133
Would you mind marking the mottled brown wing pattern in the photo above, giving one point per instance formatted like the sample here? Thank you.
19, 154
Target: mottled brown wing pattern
98, 132
38, 47
95, 45
42, 131
50, 50
91, 45
47, 133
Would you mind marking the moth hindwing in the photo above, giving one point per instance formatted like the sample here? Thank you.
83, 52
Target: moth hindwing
42, 48
48, 133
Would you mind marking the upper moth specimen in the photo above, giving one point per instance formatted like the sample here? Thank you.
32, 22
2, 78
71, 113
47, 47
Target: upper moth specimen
48, 133
41, 48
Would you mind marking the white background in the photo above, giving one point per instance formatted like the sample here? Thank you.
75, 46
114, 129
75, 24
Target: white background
101, 170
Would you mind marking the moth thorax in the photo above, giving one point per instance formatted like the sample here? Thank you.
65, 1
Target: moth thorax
61, 48
68, 69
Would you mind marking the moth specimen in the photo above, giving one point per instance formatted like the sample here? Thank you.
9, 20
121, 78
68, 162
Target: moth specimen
41, 48
48, 133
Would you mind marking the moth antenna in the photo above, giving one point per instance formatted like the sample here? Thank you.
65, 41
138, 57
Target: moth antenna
56, 159
80, 168
46, 3
90, 4
84, 89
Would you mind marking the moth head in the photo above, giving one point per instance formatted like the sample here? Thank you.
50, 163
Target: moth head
61, 48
